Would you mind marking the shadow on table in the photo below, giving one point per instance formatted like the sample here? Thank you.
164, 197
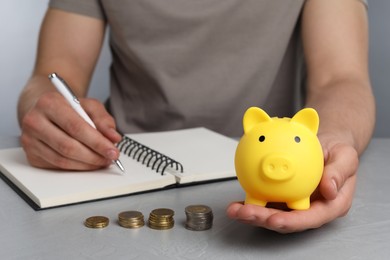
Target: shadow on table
244, 238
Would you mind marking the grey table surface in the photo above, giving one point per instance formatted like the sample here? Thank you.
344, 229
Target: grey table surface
59, 233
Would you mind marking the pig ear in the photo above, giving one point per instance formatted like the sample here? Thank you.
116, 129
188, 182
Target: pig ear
253, 116
307, 117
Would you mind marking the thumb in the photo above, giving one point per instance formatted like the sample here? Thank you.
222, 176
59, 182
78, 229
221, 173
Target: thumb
341, 163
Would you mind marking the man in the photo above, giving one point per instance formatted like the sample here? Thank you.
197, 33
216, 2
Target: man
180, 64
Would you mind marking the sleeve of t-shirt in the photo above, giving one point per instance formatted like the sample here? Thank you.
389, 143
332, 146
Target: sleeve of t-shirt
92, 8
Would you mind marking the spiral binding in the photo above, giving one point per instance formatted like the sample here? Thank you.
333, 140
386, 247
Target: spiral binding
147, 156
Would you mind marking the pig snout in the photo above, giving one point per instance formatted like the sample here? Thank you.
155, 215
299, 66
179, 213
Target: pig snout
277, 167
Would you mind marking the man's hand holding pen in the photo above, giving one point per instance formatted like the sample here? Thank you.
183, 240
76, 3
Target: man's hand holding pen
55, 136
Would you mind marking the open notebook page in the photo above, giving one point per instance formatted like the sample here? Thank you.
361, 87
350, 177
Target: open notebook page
204, 154
48, 188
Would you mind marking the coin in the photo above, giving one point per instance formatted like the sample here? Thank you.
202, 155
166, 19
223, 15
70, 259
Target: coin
161, 218
96, 222
199, 217
131, 219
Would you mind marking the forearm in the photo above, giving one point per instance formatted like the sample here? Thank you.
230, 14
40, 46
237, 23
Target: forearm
338, 86
347, 111
72, 52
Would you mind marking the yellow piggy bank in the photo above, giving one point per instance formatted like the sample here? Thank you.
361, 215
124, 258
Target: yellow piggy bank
279, 159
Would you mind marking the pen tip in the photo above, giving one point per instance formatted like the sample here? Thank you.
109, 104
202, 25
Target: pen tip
120, 166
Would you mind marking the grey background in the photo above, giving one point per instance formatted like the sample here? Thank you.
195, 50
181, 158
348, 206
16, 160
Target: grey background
20, 21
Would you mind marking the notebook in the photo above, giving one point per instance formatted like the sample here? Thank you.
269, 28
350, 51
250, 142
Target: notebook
152, 161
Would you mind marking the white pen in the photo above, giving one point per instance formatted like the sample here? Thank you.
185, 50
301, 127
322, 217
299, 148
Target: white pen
68, 94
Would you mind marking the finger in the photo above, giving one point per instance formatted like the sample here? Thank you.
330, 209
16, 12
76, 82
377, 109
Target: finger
341, 164
320, 212
35, 153
69, 152
105, 123
39, 154
43, 156
250, 214
36, 126
82, 133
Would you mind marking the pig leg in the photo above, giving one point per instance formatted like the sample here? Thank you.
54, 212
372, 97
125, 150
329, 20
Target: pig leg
255, 201
300, 204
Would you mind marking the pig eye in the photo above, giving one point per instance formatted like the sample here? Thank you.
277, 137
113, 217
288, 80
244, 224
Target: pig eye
297, 139
262, 138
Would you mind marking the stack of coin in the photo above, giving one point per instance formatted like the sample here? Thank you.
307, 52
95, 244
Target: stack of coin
161, 218
131, 219
96, 222
199, 217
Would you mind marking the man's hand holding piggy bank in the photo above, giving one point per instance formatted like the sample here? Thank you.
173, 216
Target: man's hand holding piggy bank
279, 159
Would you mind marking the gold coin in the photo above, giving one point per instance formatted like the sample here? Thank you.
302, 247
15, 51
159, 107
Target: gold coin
161, 227
131, 219
96, 222
130, 215
163, 212
161, 218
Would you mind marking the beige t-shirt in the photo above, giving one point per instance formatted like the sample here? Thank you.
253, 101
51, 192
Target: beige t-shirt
186, 63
